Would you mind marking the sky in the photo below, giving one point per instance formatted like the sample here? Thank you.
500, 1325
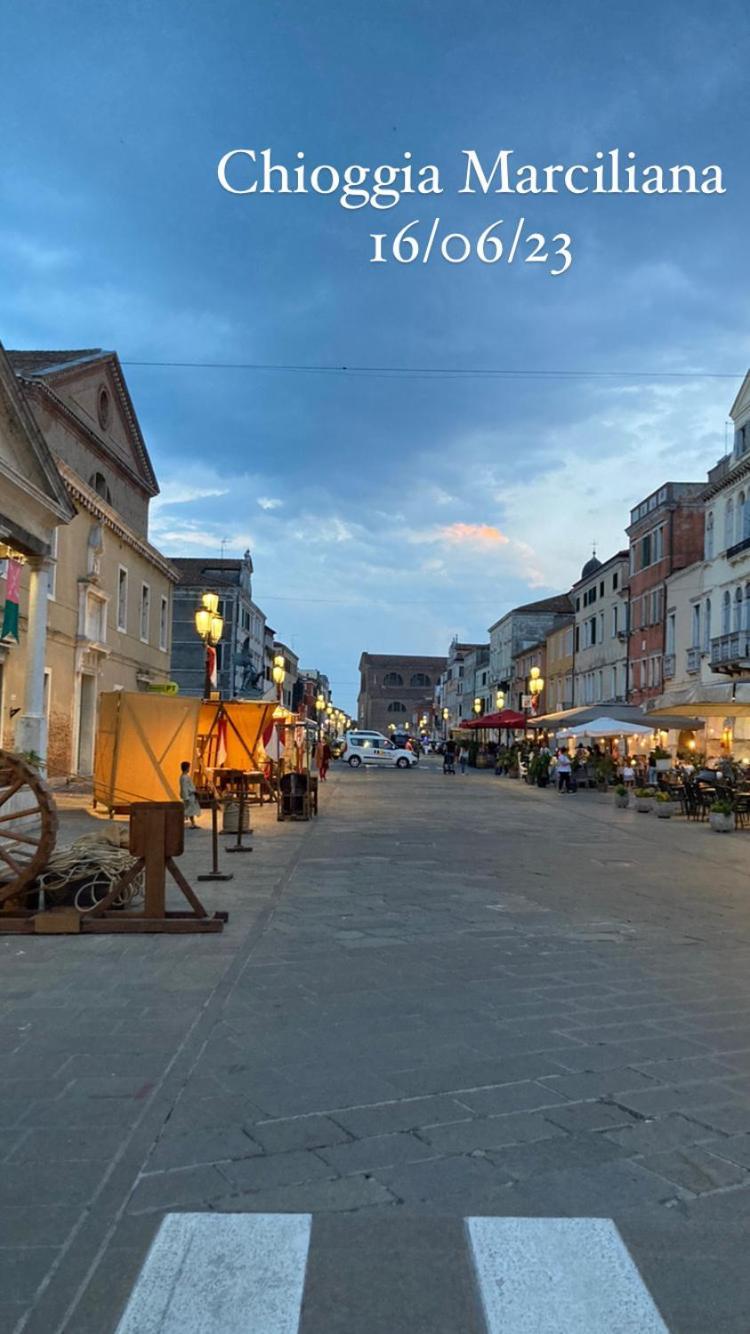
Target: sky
388, 509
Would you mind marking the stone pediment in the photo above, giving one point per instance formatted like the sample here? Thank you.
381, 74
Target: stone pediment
24, 456
740, 409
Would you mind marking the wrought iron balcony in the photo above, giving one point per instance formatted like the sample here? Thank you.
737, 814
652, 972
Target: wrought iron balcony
693, 664
738, 548
668, 666
731, 653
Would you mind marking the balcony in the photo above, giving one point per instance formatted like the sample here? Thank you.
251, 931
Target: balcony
731, 653
693, 664
738, 548
668, 666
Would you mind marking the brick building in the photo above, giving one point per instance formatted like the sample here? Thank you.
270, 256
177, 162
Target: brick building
666, 534
396, 689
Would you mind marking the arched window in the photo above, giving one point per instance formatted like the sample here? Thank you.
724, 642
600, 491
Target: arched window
696, 625
98, 483
419, 679
740, 522
709, 550
393, 679
738, 609
396, 707
707, 626
729, 524
726, 614
745, 519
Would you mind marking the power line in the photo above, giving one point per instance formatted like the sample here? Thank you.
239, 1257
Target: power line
433, 372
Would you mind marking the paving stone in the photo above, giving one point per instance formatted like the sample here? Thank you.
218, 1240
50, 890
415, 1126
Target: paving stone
446, 1186
60, 1145
299, 1132
730, 1118
325, 1196
195, 1186
471, 1075
595, 1084
278, 1169
69, 1183
201, 1146
736, 1148
489, 1132
696, 1168
22, 1269
526, 1096
589, 1116
554, 1155
685, 1070
667, 1132
407, 1114
683, 1097
599, 1191
380, 1151
35, 1225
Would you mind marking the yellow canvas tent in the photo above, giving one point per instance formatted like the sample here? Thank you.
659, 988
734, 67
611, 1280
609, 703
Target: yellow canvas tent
140, 743
230, 734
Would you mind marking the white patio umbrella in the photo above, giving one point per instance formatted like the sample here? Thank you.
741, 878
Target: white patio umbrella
607, 727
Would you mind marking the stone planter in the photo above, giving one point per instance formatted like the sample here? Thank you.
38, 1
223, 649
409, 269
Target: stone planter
643, 804
664, 809
622, 802
721, 824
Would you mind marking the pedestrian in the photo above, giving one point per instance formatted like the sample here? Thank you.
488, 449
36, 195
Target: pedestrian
628, 774
449, 755
562, 770
463, 758
322, 758
188, 794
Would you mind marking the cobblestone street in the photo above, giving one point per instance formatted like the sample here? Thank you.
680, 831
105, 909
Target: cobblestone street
446, 998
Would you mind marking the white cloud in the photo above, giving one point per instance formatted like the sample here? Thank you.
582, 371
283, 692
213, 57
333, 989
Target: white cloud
266, 503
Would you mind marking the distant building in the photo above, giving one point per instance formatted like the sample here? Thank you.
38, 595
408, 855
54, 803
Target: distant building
455, 685
311, 685
666, 533
289, 692
519, 697
476, 666
521, 628
241, 652
601, 640
396, 690
560, 667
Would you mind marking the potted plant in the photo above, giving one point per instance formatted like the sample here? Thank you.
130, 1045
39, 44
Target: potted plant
622, 797
721, 817
644, 799
604, 773
664, 806
542, 775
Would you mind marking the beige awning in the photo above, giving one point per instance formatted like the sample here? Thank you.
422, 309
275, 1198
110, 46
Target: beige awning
725, 699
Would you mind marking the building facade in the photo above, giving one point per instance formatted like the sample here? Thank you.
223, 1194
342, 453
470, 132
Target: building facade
560, 668
527, 660
601, 640
108, 591
240, 654
666, 533
455, 686
519, 629
289, 691
396, 690
477, 681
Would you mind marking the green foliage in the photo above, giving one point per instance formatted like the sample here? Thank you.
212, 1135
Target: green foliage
644, 792
621, 790
663, 796
722, 808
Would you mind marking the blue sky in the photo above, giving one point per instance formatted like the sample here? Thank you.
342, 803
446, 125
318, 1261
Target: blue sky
383, 513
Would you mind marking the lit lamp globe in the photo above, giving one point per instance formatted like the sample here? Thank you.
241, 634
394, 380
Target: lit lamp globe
500, 700
477, 706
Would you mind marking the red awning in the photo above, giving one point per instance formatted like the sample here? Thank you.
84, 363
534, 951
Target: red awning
505, 718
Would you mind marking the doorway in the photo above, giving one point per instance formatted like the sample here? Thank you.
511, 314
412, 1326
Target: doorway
86, 724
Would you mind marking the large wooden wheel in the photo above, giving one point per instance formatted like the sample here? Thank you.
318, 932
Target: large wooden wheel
28, 825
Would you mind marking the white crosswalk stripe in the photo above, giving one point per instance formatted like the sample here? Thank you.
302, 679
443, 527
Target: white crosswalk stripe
559, 1276
222, 1274
215, 1273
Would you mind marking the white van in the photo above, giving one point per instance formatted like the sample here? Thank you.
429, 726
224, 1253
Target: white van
373, 748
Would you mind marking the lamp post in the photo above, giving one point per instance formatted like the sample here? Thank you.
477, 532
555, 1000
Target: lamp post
278, 672
445, 715
536, 686
476, 707
209, 626
500, 700
320, 708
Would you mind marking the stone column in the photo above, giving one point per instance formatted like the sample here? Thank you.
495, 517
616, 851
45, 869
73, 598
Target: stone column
31, 725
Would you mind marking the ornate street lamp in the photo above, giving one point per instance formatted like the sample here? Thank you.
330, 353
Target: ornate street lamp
536, 686
500, 700
209, 626
278, 672
477, 707
446, 713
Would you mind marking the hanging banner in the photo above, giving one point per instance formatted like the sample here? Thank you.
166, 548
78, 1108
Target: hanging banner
12, 594
213, 674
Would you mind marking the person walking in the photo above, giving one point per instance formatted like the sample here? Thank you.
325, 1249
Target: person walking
562, 769
322, 758
463, 758
188, 794
449, 755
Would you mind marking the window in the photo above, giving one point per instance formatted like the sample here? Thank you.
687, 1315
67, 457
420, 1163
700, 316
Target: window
94, 623
601, 589
614, 582
738, 609
746, 618
615, 626
726, 614
744, 520
645, 551
728, 524
163, 623
707, 626
578, 604
52, 574
419, 679
696, 639
393, 679
98, 483
709, 550
122, 598
145, 616
396, 707
644, 611
670, 636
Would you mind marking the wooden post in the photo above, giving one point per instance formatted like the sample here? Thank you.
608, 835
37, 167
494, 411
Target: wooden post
215, 873
239, 845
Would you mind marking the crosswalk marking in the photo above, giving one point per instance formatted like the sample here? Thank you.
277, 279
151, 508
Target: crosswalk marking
222, 1274
559, 1276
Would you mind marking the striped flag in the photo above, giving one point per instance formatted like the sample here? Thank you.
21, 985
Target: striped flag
12, 594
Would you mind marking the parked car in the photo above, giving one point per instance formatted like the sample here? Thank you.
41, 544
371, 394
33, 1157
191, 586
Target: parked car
371, 750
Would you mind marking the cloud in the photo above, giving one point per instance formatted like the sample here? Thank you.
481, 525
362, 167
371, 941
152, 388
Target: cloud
266, 503
472, 534
182, 493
